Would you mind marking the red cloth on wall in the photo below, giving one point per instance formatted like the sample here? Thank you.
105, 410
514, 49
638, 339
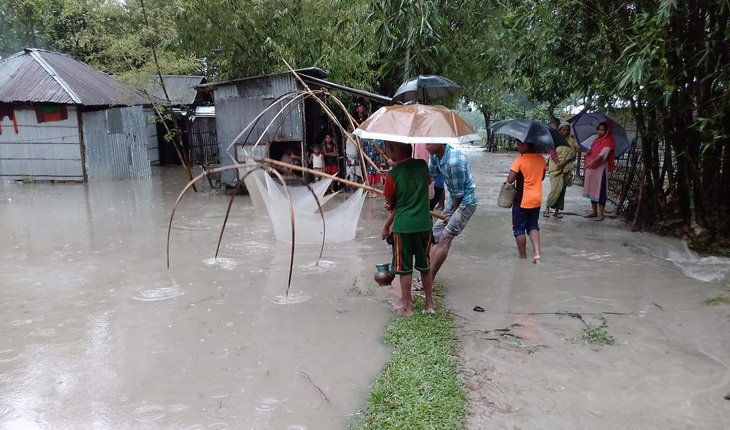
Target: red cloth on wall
7, 111
47, 113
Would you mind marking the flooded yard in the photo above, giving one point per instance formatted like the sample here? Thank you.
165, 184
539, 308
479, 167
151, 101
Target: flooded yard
97, 333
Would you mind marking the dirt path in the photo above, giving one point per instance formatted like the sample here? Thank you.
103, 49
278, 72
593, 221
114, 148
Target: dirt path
669, 367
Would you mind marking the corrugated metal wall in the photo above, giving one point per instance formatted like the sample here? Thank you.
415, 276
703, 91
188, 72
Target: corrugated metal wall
153, 150
238, 103
115, 142
40, 151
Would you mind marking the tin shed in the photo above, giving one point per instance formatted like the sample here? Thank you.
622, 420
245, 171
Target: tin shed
239, 101
62, 120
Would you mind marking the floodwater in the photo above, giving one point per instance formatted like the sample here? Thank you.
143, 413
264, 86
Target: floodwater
670, 365
97, 333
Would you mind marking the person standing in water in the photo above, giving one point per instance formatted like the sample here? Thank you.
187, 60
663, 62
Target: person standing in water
600, 162
406, 199
453, 165
562, 161
528, 170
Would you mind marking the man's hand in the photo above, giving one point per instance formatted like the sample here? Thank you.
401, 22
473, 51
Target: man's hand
384, 233
387, 207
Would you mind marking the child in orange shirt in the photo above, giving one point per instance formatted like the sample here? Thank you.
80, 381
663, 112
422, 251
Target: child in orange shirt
529, 171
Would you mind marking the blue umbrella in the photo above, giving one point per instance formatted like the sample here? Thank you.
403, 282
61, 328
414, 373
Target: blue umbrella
584, 129
529, 131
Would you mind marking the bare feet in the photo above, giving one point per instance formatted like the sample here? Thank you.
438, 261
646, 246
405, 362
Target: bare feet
535, 259
599, 219
589, 216
403, 312
429, 308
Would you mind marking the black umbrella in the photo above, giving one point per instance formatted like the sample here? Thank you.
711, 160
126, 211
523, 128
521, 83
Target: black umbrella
529, 131
425, 88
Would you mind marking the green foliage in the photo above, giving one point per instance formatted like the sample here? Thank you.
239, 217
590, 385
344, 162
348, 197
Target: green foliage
419, 387
596, 334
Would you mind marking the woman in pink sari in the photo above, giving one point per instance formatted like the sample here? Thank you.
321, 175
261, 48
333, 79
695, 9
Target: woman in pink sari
599, 165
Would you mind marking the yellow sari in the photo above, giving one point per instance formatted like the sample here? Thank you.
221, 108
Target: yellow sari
561, 179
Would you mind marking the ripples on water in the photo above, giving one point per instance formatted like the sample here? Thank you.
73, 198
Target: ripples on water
159, 293
249, 248
294, 297
222, 262
267, 405
313, 268
149, 413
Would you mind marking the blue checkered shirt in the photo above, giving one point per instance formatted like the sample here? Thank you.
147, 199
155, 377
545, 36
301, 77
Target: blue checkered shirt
455, 169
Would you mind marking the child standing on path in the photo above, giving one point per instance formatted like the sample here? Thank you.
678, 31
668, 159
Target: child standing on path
529, 171
406, 198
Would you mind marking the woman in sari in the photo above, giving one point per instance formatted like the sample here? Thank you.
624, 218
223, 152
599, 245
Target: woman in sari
560, 170
599, 165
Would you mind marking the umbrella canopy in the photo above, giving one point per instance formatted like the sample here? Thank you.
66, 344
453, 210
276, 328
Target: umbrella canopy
425, 88
584, 128
529, 131
417, 123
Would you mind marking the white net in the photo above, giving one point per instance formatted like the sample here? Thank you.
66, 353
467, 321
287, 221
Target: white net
341, 222
300, 195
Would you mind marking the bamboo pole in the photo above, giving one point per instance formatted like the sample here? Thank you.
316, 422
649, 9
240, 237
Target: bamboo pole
326, 175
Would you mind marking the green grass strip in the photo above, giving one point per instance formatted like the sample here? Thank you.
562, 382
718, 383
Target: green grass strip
419, 387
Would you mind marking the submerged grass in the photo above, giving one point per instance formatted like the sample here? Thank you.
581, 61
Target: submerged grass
721, 299
419, 387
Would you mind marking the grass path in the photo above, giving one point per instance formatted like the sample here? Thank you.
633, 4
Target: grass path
419, 387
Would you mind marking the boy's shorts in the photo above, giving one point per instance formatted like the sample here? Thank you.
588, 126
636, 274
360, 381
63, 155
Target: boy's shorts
524, 220
457, 222
406, 247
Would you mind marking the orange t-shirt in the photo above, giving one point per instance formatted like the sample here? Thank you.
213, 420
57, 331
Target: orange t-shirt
530, 169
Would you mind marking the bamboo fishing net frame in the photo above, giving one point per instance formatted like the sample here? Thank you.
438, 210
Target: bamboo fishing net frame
268, 165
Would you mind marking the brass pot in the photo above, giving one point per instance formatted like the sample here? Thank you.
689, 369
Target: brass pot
383, 276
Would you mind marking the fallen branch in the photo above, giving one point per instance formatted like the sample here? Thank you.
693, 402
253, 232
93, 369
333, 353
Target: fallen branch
315, 386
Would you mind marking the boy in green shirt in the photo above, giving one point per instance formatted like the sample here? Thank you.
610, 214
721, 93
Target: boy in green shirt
406, 199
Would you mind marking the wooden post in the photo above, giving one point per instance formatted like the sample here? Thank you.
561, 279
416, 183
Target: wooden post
82, 145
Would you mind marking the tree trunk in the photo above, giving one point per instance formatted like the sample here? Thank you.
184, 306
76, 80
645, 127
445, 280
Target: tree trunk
551, 114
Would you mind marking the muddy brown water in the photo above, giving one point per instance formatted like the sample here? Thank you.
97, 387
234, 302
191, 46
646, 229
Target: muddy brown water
670, 365
96, 333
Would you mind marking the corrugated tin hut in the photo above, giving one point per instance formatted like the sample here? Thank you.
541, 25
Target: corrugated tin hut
62, 120
199, 137
239, 101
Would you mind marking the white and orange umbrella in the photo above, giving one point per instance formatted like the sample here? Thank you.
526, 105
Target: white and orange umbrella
417, 123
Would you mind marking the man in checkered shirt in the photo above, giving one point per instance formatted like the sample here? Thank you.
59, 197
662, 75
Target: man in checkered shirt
454, 166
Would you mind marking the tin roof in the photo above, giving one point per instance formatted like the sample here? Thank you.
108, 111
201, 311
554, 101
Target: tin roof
35, 75
180, 88
311, 75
